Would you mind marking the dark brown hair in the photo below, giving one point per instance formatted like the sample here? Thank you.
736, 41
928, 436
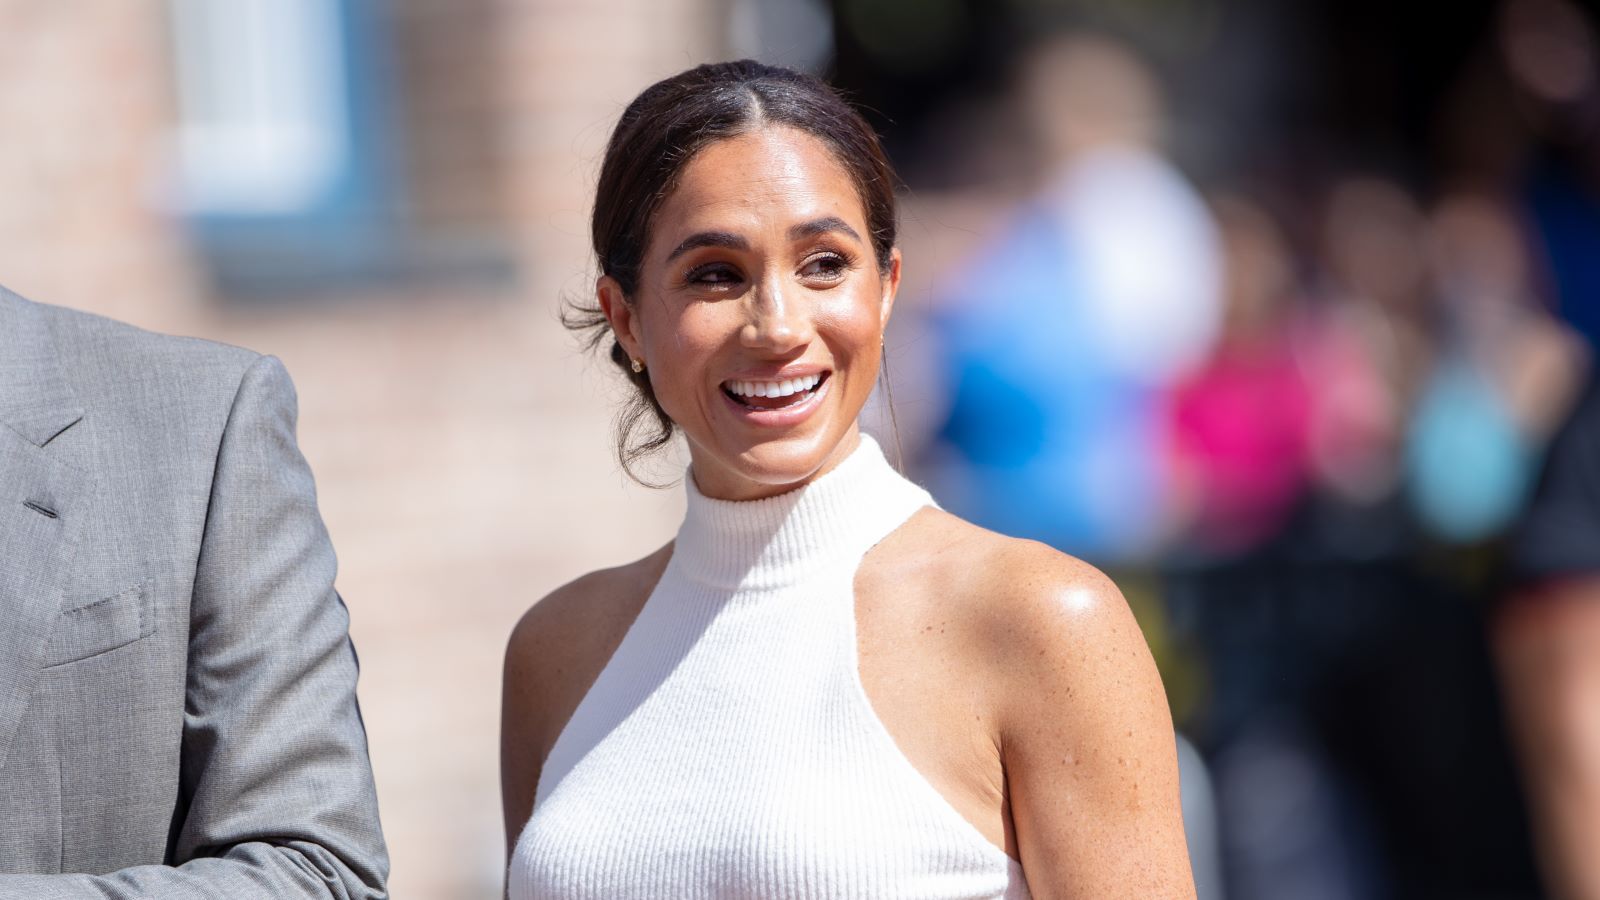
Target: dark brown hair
660, 131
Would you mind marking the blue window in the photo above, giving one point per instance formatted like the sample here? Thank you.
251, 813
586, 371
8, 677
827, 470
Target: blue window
285, 161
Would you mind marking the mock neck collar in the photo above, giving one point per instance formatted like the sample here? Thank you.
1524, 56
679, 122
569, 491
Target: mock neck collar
780, 540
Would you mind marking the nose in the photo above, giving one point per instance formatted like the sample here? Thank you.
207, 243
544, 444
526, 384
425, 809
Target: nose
779, 318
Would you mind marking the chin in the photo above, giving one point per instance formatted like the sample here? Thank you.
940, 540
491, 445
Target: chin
785, 461
777, 464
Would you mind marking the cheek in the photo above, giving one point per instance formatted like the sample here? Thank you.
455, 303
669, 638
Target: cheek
854, 326
686, 340
681, 348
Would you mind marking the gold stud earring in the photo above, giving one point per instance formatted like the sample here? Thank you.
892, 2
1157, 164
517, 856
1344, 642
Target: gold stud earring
638, 365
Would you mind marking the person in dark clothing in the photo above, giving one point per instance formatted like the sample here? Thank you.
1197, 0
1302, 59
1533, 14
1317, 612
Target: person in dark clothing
1547, 642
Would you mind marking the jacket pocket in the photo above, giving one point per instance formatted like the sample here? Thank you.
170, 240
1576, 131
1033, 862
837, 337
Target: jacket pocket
101, 626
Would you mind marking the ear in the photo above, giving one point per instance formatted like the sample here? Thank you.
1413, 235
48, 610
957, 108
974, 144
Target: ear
620, 313
891, 287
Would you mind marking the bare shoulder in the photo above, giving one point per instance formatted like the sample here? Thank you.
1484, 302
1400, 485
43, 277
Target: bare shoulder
584, 611
1049, 634
1079, 710
555, 653
562, 642
1016, 594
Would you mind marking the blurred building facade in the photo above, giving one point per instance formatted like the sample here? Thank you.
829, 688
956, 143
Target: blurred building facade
460, 439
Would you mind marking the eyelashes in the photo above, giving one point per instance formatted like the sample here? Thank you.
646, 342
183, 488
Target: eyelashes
828, 265
714, 274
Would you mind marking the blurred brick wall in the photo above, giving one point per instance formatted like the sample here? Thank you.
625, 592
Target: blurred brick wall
455, 95
84, 103
460, 440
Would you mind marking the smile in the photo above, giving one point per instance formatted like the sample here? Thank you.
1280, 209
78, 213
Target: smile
773, 394
782, 401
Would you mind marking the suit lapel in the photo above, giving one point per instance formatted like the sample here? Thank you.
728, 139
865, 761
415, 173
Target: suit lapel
41, 499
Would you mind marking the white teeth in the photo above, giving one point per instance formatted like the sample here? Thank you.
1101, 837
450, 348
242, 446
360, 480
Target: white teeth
783, 388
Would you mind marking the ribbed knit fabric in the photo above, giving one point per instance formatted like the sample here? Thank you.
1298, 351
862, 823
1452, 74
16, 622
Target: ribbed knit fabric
728, 749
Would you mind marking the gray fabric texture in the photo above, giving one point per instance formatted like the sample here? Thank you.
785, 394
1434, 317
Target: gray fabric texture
178, 713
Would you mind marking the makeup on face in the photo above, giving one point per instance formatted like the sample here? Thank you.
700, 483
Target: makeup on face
761, 311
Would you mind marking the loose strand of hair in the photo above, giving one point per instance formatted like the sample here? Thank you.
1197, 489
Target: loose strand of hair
894, 423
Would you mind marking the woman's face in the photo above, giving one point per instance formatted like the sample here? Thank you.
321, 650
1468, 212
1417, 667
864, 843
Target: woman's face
760, 311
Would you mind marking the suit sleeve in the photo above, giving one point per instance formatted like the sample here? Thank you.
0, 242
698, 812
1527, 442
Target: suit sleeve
277, 792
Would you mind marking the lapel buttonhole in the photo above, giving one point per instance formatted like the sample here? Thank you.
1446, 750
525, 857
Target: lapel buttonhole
40, 508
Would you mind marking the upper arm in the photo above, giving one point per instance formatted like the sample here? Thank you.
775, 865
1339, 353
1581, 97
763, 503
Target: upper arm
274, 749
1086, 737
521, 729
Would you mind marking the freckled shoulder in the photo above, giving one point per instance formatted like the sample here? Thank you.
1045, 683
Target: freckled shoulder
1081, 717
1004, 588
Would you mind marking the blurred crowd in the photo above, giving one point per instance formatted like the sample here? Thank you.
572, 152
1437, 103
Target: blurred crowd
1298, 418
1278, 312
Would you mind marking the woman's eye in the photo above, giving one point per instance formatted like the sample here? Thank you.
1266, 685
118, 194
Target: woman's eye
828, 267
713, 275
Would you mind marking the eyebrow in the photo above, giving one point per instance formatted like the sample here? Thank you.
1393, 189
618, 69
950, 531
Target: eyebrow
821, 226
733, 241
708, 239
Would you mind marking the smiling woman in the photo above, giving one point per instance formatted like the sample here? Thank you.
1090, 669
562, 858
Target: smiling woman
824, 686
658, 138
756, 277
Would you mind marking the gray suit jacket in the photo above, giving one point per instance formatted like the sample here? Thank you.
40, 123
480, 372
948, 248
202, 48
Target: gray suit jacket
177, 687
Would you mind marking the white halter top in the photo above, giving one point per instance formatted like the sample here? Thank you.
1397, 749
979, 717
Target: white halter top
728, 749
